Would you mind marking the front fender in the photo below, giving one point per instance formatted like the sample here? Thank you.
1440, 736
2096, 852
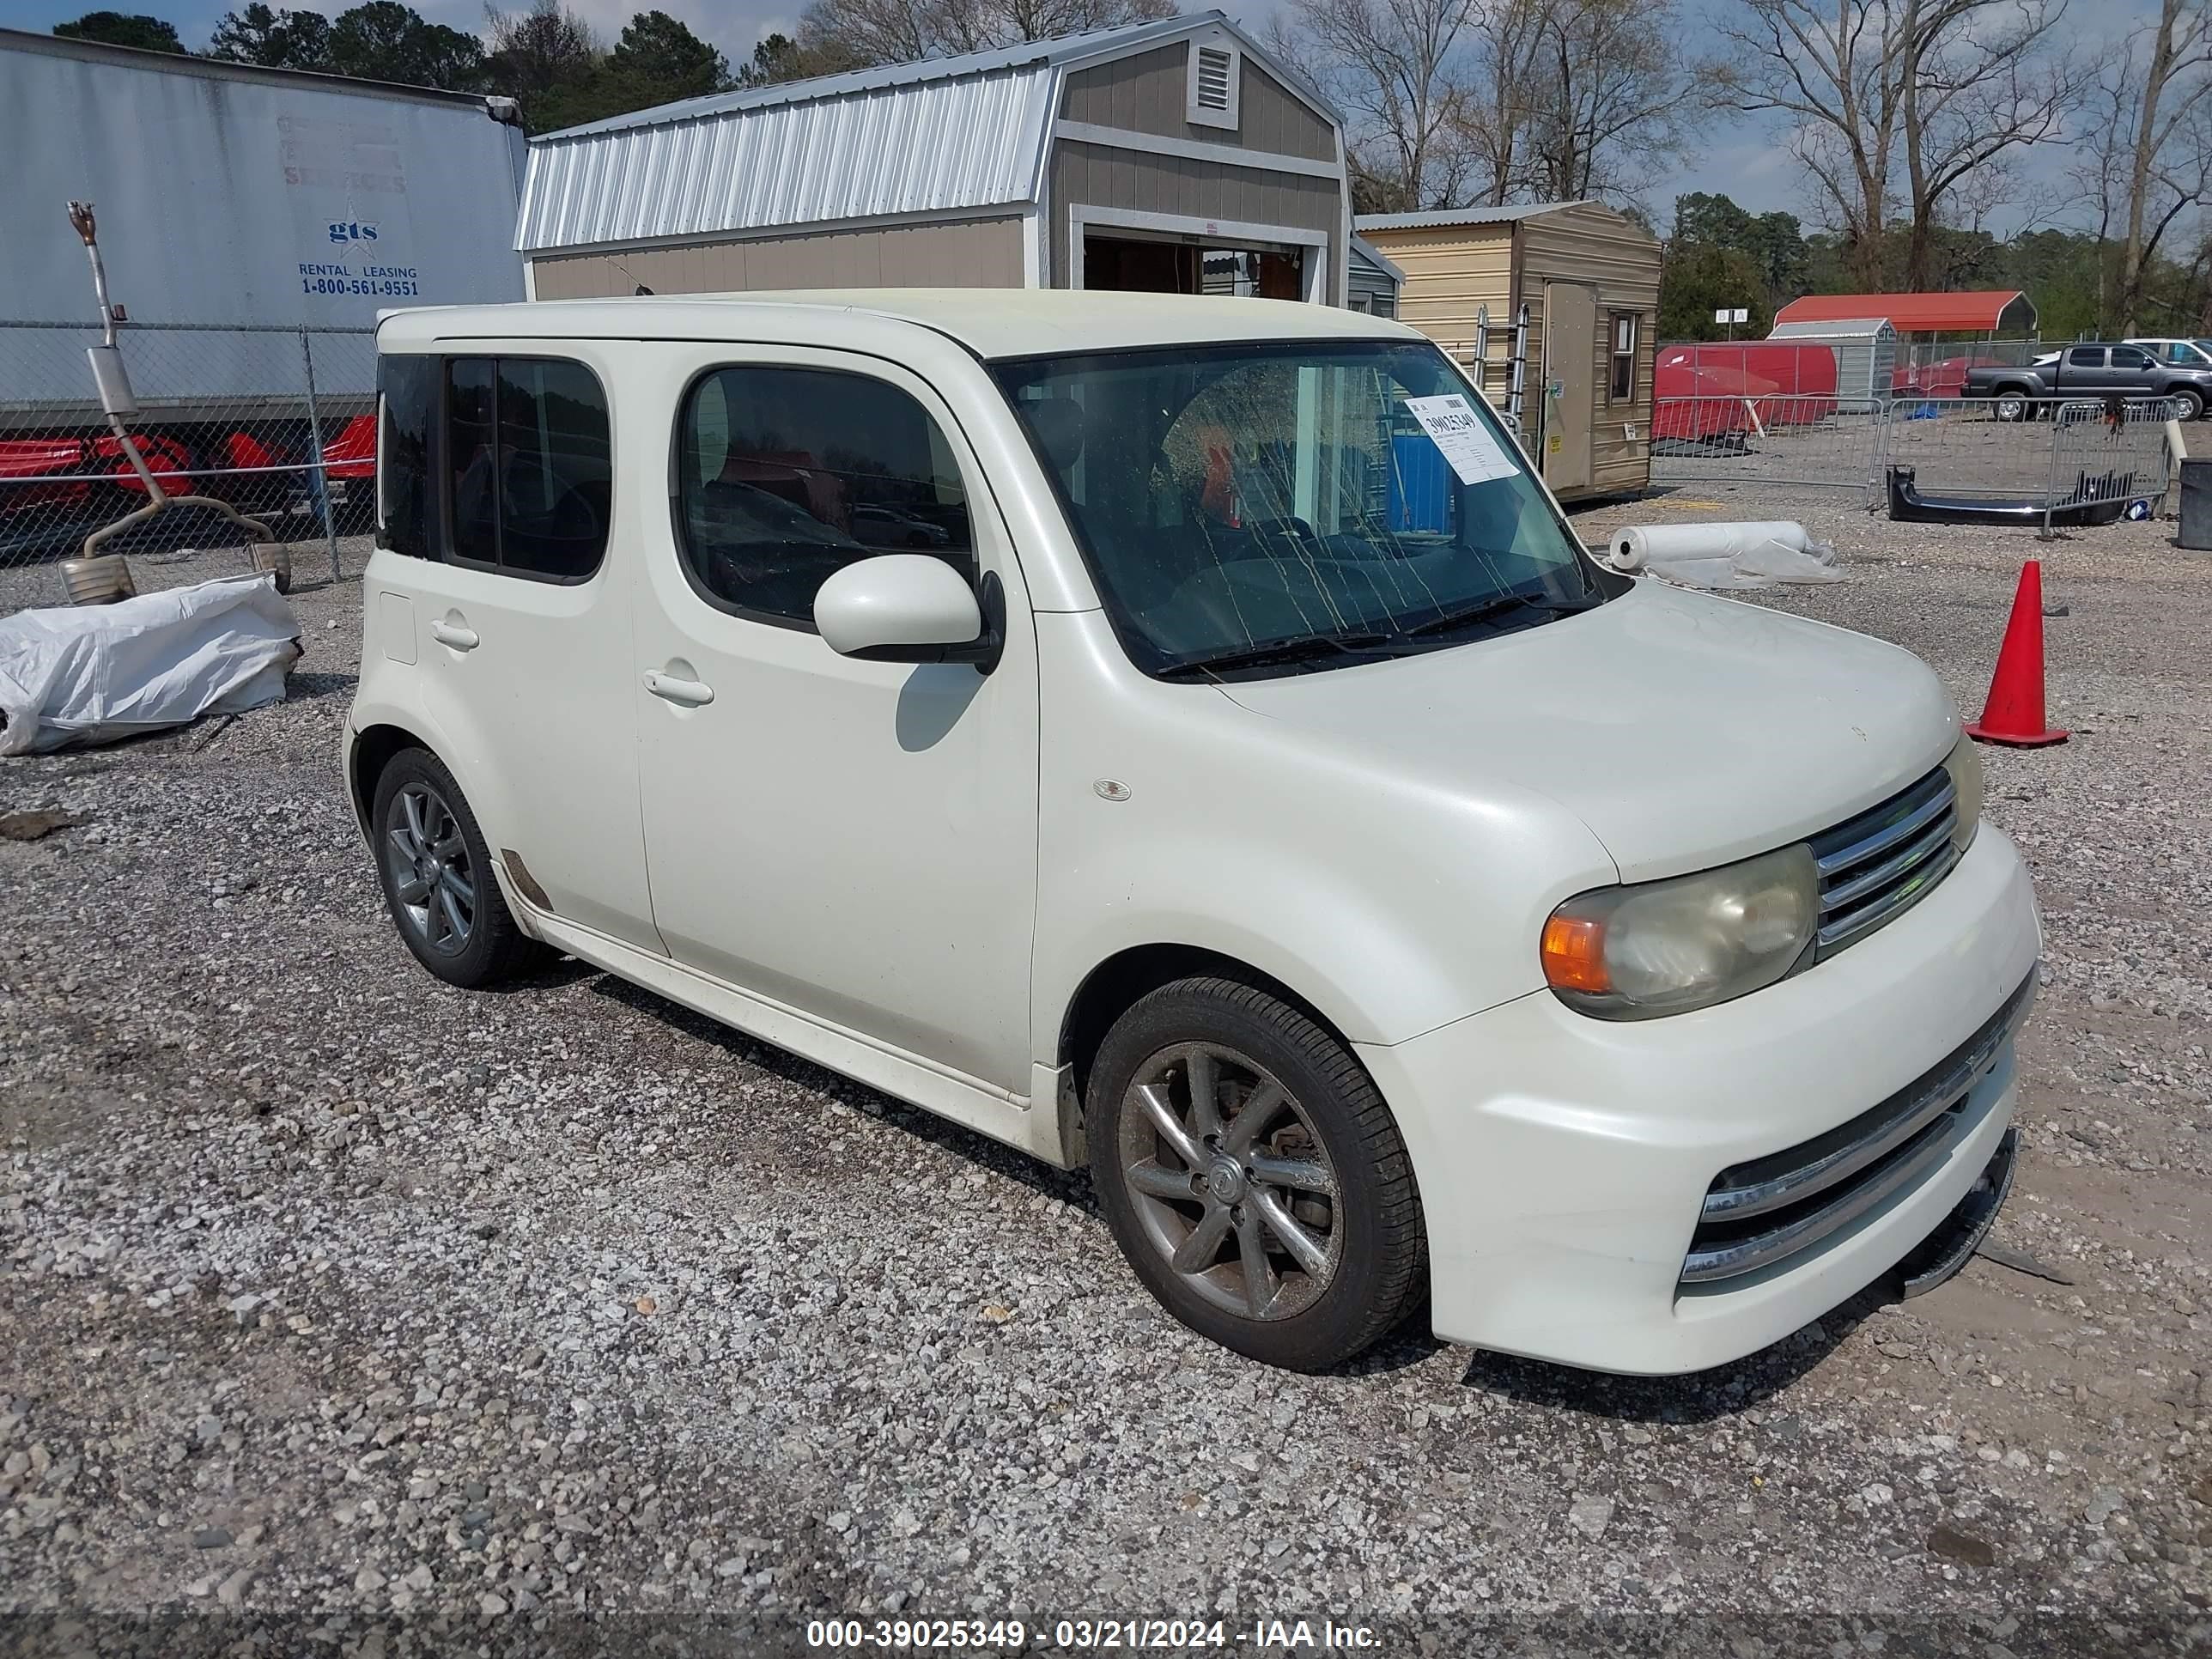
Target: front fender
1392, 903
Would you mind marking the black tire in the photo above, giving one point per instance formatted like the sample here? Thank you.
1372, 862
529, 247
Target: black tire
2188, 403
2010, 398
492, 948
1378, 1241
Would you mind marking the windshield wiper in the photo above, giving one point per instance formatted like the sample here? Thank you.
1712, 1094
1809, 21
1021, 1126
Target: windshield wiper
1272, 651
1496, 606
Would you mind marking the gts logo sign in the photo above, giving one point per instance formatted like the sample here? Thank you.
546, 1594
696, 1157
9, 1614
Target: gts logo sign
357, 230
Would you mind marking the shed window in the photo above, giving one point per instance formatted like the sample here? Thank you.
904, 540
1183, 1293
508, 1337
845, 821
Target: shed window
1621, 389
1212, 97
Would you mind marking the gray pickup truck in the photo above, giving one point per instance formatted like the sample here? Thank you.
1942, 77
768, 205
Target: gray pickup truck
2087, 370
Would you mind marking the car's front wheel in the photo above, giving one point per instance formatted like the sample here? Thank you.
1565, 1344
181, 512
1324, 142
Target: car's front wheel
438, 878
2188, 403
1253, 1175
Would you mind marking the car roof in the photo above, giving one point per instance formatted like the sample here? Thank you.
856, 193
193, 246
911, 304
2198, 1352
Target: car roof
989, 322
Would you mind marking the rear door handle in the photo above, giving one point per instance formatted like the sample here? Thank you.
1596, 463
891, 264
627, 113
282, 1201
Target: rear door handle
692, 694
461, 639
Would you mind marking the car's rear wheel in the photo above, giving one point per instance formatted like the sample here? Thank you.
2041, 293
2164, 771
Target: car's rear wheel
438, 878
1253, 1175
2012, 406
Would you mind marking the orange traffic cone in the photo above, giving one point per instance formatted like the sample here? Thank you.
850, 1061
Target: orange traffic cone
2014, 713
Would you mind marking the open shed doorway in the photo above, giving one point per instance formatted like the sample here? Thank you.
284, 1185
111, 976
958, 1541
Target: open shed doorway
1145, 265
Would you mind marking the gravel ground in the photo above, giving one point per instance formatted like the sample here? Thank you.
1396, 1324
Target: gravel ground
343, 1313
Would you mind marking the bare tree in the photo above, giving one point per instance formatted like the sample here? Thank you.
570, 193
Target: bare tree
2164, 132
539, 46
1495, 115
1611, 95
1894, 105
1396, 69
867, 32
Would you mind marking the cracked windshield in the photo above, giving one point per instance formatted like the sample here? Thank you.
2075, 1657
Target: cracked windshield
1295, 505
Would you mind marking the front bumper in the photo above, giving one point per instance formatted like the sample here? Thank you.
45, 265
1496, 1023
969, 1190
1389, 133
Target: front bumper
1564, 1162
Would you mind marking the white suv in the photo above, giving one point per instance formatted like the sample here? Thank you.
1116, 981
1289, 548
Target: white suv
1254, 791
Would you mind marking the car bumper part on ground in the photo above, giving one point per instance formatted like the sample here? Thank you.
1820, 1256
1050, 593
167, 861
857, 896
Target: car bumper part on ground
1564, 1161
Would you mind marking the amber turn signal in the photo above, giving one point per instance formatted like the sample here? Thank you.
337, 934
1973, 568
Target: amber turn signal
1574, 954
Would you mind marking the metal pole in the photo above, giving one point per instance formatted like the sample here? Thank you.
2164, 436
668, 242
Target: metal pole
316, 466
1877, 482
1482, 348
2051, 490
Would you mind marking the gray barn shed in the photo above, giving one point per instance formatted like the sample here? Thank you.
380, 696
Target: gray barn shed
1865, 356
1376, 281
1173, 156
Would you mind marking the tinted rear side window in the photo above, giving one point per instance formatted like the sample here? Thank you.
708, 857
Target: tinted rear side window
530, 465
409, 388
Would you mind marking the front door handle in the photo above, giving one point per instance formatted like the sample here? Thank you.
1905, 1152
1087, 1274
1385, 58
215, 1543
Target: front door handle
461, 639
692, 694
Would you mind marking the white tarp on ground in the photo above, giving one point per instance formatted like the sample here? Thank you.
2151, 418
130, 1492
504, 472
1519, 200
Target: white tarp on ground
1748, 555
84, 674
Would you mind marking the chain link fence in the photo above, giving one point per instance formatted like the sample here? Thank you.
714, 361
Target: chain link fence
277, 423
1956, 447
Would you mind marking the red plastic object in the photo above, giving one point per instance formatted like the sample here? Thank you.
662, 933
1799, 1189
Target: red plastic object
42, 459
352, 453
2014, 713
163, 455
1699, 404
1791, 383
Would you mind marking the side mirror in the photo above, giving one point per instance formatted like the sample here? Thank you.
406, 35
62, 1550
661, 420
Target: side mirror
910, 607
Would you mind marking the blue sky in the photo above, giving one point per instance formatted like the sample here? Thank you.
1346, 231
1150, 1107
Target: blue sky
1742, 158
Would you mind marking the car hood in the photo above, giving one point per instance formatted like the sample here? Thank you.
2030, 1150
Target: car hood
1686, 731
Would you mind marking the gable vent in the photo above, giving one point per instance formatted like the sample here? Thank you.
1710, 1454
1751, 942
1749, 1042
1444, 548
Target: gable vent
1210, 94
1213, 67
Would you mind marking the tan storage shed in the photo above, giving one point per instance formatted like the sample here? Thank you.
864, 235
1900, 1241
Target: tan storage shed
1589, 278
1173, 156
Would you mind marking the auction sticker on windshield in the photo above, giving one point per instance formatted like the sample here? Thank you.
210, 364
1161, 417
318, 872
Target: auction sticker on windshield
1464, 440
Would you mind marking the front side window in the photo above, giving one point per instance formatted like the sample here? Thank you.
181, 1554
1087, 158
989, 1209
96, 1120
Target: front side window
2131, 358
1288, 506
785, 475
407, 392
529, 465
1622, 388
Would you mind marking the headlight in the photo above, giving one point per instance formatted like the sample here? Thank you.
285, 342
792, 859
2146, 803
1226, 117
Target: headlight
1964, 764
1665, 947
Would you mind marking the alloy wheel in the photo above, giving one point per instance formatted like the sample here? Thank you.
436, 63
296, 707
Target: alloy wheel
432, 875
1229, 1181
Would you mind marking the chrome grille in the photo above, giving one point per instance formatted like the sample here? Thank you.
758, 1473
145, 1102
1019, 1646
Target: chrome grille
1879, 865
1776, 1208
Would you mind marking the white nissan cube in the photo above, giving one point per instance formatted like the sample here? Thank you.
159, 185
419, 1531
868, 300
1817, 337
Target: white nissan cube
1232, 774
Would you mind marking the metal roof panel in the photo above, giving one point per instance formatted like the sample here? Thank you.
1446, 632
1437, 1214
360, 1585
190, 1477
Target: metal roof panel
1446, 218
973, 140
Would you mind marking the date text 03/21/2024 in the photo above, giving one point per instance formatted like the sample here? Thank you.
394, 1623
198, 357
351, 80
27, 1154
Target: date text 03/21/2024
1138, 1635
